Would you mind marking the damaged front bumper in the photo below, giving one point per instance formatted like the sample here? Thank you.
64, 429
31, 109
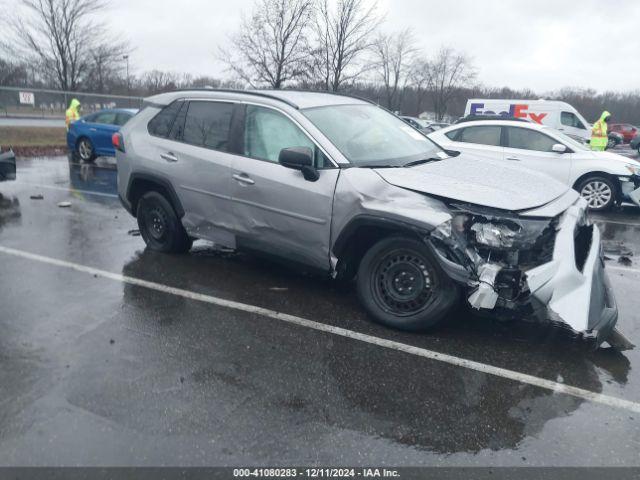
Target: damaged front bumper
574, 284
630, 189
571, 287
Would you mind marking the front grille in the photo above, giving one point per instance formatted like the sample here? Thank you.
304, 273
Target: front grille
582, 239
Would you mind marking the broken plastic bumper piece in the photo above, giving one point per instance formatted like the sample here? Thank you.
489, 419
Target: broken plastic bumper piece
574, 284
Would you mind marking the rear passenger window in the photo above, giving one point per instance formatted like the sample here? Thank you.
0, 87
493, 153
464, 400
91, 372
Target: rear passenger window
526, 139
160, 125
485, 135
178, 124
207, 125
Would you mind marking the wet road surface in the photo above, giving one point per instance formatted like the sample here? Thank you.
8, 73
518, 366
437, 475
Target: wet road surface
101, 371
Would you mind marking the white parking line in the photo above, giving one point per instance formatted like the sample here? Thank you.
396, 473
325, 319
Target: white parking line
555, 387
67, 189
617, 222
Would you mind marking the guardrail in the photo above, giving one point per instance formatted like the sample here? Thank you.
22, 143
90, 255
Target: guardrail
43, 103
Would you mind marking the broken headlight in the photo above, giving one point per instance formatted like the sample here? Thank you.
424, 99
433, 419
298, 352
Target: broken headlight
495, 234
498, 235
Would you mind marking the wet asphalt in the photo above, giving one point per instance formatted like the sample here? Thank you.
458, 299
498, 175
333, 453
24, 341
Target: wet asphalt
99, 372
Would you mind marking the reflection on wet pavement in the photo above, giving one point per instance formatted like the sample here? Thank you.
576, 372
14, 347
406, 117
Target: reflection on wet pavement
99, 372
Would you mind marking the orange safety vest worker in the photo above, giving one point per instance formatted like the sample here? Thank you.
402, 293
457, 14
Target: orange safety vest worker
73, 112
599, 136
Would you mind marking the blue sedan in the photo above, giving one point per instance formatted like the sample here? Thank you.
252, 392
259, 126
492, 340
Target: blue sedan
90, 136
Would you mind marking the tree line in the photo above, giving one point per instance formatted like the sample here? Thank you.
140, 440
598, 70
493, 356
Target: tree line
336, 46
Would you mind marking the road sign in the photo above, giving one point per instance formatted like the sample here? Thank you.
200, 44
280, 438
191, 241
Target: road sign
27, 98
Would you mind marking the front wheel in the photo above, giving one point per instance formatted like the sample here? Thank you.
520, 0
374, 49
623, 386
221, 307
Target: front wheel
599, 193
402, 286
159, 225
611, 143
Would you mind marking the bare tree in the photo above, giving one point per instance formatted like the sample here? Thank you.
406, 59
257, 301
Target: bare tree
105, 65
420, 80
448, 72
271, 46
393, 56
158, 81
343, 34
59, 35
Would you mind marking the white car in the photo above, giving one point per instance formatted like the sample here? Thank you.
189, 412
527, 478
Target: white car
602, 178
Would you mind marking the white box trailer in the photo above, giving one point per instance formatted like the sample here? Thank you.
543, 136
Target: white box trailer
556, 114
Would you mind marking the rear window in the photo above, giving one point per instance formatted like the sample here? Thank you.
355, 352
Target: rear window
208, 124
160, 125
108, 118
122, 118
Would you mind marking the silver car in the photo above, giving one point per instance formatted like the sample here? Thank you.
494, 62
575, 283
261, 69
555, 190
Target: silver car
342, 186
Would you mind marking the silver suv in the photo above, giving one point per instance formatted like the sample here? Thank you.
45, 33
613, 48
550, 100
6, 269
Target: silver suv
343, 186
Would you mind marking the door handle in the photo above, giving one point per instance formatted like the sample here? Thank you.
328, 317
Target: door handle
514, 159
169, 157
243, 178
93, 129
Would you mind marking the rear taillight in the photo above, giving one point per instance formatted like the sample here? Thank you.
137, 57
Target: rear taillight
118, 141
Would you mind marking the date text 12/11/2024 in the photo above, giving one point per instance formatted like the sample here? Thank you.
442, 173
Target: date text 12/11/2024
315, 473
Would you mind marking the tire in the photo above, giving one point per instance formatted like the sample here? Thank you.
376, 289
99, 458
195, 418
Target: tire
85, 150
611, 143
159, 225
599, 192
387, 276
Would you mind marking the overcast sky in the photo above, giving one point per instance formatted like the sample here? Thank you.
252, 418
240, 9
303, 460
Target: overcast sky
540, 44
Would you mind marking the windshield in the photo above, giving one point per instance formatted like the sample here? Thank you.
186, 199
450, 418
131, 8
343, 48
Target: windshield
567, 139
368, 136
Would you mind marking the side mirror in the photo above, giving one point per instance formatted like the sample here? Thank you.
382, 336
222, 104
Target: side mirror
559, 148
299, 158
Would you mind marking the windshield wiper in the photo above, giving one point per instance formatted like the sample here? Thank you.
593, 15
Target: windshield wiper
421, 161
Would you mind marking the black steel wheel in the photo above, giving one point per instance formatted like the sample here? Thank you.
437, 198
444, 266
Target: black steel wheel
159, 225
402, 286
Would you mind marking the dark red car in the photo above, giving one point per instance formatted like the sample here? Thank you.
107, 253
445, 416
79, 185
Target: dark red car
627, 131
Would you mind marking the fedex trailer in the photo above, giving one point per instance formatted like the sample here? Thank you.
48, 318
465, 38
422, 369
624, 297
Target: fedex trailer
556, 114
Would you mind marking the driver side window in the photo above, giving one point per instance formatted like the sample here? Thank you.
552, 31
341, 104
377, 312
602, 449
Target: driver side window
525, 139
267, 132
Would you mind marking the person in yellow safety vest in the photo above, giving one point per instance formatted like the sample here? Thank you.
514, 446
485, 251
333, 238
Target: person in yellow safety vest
599, 136
73, 112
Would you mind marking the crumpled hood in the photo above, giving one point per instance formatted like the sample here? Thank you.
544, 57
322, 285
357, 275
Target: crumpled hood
481, 182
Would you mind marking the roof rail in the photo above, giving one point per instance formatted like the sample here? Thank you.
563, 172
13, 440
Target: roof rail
257, 93
265, 94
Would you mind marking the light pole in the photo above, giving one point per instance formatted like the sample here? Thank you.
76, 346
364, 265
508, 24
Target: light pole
126, 58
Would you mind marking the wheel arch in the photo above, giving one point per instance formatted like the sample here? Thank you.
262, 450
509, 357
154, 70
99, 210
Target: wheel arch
141, 183
361, 233
594, 174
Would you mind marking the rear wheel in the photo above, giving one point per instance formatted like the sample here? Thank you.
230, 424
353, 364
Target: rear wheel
402, 286
599, 193
159, 225
85, 150
611, 143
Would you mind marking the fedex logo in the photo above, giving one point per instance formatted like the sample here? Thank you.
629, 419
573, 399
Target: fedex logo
517, 110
